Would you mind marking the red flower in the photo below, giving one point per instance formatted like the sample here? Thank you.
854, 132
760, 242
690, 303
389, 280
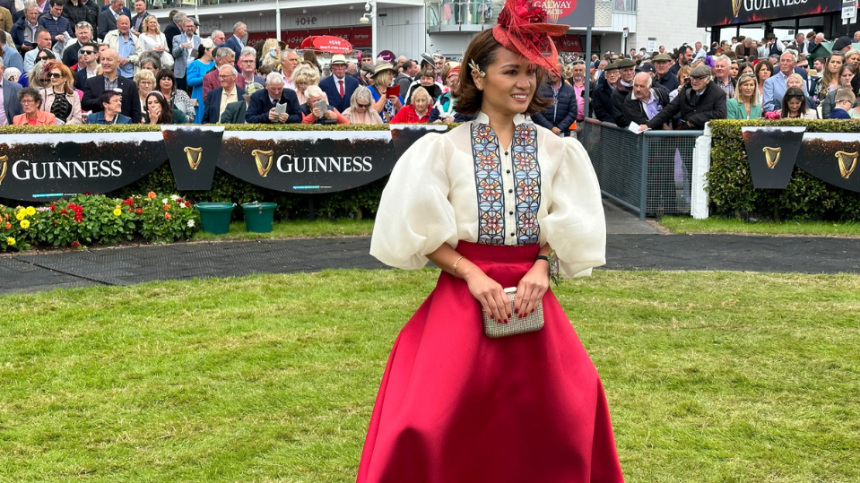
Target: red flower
87, 193
130, 209
179, 200
64, 212
53, 208
76, 244
139, 211
187, 204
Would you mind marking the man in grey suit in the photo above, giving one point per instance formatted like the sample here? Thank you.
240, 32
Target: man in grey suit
10, 105
108, 16
184, 51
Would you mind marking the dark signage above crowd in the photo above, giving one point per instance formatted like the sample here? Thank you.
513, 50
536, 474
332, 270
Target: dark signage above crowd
715, 13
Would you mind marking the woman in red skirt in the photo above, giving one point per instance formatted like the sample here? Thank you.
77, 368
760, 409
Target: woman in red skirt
486, 203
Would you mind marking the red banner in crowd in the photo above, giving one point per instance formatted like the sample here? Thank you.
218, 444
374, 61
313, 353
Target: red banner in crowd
294, 38
255, 37
343, 33
360, 37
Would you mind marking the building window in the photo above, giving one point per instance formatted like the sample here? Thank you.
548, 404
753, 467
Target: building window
624, 5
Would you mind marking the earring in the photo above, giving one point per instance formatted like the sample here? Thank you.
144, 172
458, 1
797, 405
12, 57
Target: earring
477, 69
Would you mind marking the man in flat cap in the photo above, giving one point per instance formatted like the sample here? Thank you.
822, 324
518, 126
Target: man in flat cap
698, 103
622, 89
662, 63
602, 95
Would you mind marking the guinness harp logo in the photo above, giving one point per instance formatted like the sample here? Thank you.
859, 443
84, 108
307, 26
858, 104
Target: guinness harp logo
771, 155
842, 156
3, 161
261, 157
736, 7
194, 155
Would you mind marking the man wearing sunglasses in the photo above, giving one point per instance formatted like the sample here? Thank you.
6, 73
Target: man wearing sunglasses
88, 64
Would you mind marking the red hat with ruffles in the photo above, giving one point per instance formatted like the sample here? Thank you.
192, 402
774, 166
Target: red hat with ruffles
523, 28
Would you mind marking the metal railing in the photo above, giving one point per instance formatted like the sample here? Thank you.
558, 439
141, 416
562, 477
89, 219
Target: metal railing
648, 173
462, 12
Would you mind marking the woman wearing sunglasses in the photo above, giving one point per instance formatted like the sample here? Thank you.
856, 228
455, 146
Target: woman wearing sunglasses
61, 99
359, 110
794, 105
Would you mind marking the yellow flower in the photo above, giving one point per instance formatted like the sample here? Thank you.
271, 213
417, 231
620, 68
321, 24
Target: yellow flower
25, 224
20, 215
10, 241
31, 211
117, 212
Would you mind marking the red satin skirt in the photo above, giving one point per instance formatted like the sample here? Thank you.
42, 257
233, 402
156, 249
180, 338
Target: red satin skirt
457, 406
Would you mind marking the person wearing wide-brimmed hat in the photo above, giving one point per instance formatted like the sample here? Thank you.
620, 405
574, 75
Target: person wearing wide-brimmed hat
339, 86
386, 106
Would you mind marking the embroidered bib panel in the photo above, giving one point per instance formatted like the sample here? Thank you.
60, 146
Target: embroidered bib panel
522, 181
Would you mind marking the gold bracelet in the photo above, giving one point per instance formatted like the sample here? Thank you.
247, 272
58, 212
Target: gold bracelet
455, 264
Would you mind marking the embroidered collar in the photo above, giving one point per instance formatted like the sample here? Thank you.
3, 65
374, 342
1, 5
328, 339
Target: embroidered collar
482, 118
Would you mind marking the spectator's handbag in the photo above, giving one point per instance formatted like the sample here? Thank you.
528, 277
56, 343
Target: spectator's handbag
516, 325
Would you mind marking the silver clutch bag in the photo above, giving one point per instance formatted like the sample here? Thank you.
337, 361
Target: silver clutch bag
516, 325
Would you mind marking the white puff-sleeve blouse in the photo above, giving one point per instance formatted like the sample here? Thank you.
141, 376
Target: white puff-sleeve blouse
462, 185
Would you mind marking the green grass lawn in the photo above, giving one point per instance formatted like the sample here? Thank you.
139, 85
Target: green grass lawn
685, 224
295, 229
711, 377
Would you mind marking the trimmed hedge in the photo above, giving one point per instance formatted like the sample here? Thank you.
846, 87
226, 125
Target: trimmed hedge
806, 198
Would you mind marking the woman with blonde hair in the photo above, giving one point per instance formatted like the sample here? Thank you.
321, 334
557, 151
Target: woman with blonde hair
145, 81
270, 54
386, 106
60, 97
360, 110
417, 111
303, 77
152, 40
311, 114
745, 104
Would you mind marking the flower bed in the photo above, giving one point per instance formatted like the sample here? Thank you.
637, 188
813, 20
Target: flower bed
96, 219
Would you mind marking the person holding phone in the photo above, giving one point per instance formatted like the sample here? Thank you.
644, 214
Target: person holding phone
317, 110
387, 100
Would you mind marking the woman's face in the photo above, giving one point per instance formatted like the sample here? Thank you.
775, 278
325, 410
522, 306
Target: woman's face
763, 74
57, 78
834, 64
453, 82
313, 100
152, 104
361, 105
794, 104
793, 82
421, 103
29, 105
748, 88
152, 24
166, 84
733, 69
301, 86
854, 60
845, 78
145, 87
150, 67
427, 81
114, 106
510, 83
748, 70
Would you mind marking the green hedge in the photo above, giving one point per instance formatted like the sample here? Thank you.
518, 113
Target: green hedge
731, 188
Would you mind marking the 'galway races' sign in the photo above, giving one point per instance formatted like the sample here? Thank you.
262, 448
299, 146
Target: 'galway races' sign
43, 167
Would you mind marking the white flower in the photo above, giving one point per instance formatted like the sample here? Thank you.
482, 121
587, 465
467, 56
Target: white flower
174, 197
190, 223
164, 201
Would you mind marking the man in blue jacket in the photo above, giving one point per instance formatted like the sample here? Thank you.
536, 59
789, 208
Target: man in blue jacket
602, 96
562, 112
54, 22
339, 87
261, 105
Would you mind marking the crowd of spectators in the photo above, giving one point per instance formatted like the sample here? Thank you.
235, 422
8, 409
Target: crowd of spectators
738, 79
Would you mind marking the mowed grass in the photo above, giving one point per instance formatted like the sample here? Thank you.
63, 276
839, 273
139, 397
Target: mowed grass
683, 225
295, 229
711, 377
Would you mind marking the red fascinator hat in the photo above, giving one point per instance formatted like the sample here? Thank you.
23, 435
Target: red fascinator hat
523, 28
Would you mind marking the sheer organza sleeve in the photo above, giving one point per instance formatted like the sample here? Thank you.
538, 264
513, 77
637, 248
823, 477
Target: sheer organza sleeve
415, 217
576, 227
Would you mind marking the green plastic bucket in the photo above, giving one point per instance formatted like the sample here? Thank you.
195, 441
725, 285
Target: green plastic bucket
259, 216
215, 217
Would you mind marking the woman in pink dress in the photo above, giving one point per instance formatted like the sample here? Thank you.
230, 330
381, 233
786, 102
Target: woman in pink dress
487, 202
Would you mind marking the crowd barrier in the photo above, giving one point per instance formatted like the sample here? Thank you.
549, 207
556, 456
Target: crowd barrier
650, 173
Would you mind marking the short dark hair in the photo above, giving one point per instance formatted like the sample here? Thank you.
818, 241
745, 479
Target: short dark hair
107, 96
483, 50
39, 31
428, 73
89, 44
408, 64
32, 92
161, 75
58, 2
796, 93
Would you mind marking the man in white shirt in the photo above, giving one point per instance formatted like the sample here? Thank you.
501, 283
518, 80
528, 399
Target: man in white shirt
289, 62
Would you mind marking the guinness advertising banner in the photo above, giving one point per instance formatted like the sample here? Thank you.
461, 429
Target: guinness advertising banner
713, 13
307, 162
193, 152
831, 157
42, 167
772, 153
